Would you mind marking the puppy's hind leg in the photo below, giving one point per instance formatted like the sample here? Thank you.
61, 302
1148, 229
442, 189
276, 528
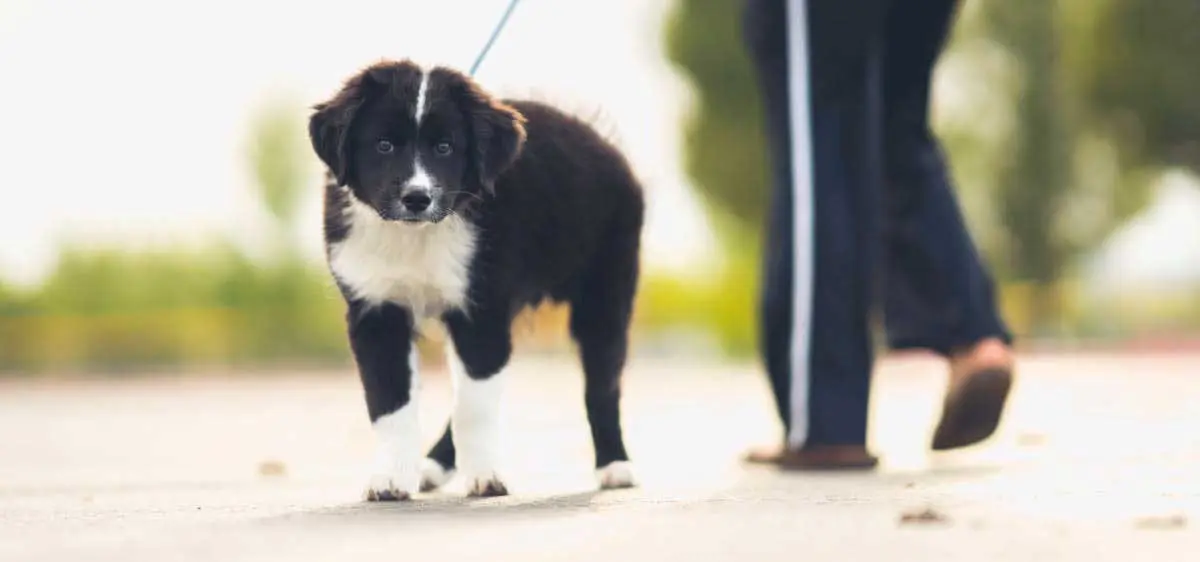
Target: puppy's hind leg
439, 464
600, 318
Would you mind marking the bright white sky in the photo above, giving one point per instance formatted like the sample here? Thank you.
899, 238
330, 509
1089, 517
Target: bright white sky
125, 120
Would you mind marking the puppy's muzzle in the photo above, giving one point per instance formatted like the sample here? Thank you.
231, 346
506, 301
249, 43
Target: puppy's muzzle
416, 203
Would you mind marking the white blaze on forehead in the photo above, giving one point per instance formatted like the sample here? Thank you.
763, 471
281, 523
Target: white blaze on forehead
420, 177
422, 91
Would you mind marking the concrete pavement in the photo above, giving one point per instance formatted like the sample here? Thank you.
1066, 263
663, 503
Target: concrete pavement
1098, 459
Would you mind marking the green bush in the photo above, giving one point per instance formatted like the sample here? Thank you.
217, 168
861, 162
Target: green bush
112, 310
724, 306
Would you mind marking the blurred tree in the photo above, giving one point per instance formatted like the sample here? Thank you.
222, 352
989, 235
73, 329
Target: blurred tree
1035, 181
725, 147
278, 156
1140, 81
1140, 91
1101, 110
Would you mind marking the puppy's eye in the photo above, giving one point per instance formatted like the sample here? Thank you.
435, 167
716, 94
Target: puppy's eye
443, 148
384, 147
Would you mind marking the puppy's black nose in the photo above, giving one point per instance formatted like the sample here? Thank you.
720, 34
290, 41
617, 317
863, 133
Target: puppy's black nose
416, 201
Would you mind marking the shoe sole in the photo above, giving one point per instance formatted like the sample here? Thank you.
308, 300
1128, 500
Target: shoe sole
796, 462
974, 412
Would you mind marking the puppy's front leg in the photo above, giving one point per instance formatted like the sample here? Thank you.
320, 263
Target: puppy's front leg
381, 338
480, 348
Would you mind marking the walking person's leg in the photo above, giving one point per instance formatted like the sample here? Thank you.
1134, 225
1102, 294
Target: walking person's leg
939, 295
817, 64
765, 31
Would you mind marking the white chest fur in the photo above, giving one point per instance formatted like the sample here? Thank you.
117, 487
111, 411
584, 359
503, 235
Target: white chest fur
424, 267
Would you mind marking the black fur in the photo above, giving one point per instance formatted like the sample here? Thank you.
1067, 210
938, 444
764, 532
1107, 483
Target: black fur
557, 209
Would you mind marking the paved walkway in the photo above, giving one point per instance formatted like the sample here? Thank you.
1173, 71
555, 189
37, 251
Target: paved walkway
1098, 459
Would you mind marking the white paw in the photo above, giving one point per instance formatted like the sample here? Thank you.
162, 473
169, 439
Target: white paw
434, 475
396, 469
485, 485
398, 485
475, 423
617, 474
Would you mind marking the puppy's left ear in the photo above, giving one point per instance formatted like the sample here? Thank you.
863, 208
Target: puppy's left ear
499, 132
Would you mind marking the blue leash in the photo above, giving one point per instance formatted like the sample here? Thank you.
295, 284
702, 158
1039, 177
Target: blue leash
495, 33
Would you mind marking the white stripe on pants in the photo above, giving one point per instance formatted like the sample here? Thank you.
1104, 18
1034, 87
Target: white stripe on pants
803, 274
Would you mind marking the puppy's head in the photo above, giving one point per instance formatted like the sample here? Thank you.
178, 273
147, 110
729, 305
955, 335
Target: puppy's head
415, 144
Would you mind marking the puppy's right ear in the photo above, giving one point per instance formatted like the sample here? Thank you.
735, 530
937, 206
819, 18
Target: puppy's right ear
329, 128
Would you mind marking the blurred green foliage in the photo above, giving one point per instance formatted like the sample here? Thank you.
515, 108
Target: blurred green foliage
719, 305
112, 309
115, 310
1140, 80
725, 148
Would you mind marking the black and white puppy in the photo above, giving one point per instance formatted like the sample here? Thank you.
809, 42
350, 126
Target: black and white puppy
446, 203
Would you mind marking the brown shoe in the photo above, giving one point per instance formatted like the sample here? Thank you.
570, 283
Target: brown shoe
980, 381
815, 457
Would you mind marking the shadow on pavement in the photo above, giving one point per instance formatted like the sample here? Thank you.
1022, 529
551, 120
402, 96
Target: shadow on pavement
434, 505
